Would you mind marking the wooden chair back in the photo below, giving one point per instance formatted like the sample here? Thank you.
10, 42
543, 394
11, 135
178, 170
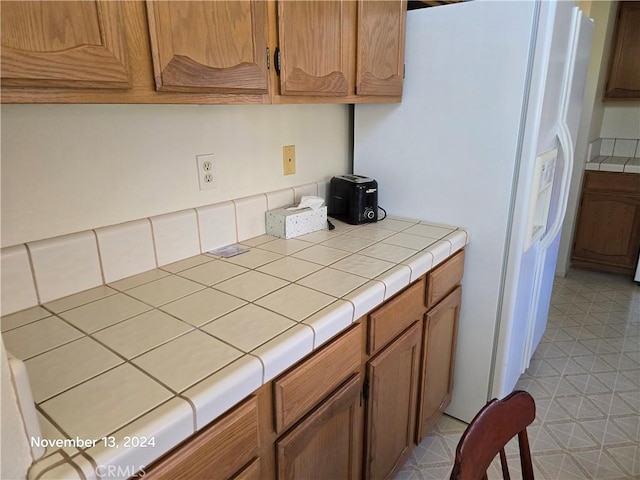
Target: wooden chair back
488, 433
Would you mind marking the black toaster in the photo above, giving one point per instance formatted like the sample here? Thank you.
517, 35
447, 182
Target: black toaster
353, 199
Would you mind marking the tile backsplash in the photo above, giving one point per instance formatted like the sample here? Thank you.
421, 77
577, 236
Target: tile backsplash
614, 147
46, 270
614, 155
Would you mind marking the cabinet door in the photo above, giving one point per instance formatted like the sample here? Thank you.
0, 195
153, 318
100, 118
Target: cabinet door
392, 376
380, 57
608, 230
314, 46
326, 444
228, 446
63, 44
624, 69
439, 349
217, 47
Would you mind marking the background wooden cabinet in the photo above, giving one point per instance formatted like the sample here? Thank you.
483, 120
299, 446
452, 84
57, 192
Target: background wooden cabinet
623, 79
216, 46
63, 44
607, 233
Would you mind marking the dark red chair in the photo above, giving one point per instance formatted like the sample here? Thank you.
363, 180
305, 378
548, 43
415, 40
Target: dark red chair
488, 433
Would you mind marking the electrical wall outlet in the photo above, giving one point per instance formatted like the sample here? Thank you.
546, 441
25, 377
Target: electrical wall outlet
206, 172
289, 159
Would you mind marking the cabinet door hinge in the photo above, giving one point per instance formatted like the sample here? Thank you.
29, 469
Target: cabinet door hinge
276, 60
404, 70
365, 390
268, 59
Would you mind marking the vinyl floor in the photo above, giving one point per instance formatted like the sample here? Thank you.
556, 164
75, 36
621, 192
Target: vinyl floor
585, 379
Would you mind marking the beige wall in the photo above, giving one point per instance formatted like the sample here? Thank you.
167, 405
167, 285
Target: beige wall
621, 120
67, 168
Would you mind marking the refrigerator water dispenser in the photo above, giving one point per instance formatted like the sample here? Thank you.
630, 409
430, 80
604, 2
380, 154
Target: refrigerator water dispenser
540, 201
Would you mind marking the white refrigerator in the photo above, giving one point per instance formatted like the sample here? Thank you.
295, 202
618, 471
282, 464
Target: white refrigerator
484, 139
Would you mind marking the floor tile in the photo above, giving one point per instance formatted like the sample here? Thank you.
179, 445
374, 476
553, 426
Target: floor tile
585, 378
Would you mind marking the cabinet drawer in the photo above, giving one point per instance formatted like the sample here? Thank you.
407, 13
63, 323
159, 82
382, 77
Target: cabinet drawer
612, 182
219, 451
395, 316
444, 278
299, 390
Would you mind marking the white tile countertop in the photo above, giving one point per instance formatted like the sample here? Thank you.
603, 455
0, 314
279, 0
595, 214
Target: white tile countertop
614, 164
161, 354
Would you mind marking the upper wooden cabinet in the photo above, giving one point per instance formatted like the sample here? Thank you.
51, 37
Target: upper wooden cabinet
202, 52
380, 53
209, 46
623, 80
348, 50
63, 44
314, 47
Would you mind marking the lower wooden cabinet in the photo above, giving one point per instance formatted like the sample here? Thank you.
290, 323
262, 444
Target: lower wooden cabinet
438, 359
392, 378
607, 233
326, 444
222, 450
354, 408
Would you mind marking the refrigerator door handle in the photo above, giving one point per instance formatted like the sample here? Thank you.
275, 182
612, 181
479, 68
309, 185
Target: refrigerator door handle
566, 146
564, 134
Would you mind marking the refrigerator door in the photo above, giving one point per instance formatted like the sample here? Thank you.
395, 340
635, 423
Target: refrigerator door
564, 59
569, 122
